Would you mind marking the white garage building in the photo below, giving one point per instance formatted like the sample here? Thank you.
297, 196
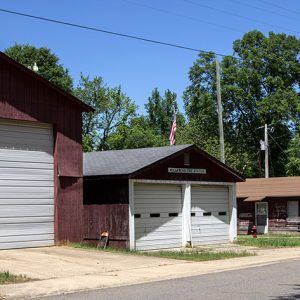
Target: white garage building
175, 196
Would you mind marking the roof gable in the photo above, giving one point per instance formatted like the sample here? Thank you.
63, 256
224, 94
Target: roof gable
132, 162
125, 162
43, 81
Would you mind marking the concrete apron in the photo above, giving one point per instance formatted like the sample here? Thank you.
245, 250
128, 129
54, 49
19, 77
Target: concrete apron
65, 270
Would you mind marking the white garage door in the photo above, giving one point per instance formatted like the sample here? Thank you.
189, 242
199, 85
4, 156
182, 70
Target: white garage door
26, 185
158, 216
210, 215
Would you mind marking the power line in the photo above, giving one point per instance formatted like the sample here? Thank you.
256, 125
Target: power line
263, 9
277, 144
180, 15
111, 32
239, 16
281, 7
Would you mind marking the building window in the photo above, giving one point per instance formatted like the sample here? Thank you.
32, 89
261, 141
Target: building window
186, 159
293, 209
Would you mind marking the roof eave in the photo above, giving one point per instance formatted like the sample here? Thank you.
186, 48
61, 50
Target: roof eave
85, 107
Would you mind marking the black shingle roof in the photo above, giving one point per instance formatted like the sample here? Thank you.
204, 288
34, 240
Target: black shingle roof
124, 162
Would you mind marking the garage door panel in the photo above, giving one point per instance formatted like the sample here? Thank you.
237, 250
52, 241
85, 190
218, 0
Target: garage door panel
159, 238
26, 185
162, 231
39, 219
15, 211
26, 229
39, 175
168, 232
161, 204
28, 166
146, 220
209, 188
215, 228
26, 201
159, 245
204, 221
12, 155
25, 241
153, 199
26, 140
158, 227
210, 240
163, 210
26, 192
210, 229
210, 207
27, 244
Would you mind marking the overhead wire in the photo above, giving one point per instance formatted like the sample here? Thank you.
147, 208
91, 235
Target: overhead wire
239, 16
112, 32
279, 6
277, 144
263, 9
165, 11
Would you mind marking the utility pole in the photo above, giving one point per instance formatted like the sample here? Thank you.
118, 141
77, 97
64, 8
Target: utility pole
266, 152
264, 146
220, 117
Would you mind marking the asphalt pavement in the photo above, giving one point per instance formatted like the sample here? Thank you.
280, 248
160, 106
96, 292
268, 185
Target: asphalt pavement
62, 270
276, 281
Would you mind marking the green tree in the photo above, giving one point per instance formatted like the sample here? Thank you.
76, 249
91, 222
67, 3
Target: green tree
259, 85
160, 110
138, 134
47, 62
293, 153
112, 109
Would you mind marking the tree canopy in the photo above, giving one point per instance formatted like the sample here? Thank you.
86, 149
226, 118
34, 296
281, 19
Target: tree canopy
112, 109
260, 84
47, 62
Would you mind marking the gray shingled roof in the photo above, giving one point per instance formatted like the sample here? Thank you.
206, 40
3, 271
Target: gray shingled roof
124, 162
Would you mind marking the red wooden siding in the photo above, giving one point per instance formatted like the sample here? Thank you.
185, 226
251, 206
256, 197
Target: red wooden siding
246, 216
107, 217
106, 208
197, 161
23, 97
277, 210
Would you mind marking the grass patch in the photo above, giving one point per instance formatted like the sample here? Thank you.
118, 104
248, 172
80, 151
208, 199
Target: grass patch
270, 240
196, 255
6, 278
107, 249
191, 254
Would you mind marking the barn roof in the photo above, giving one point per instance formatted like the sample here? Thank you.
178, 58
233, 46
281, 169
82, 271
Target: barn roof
129, 161
33, 74
257, 189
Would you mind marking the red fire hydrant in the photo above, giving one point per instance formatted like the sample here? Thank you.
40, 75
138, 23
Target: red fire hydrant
254, 231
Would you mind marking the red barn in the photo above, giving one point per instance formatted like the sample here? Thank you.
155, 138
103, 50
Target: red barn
40, 160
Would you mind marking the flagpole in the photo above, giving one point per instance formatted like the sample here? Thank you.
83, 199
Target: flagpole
220, 117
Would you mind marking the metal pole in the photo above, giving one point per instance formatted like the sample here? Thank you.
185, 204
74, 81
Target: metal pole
220, 118
266, 152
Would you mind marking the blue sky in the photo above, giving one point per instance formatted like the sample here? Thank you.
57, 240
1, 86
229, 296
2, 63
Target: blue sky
137, 66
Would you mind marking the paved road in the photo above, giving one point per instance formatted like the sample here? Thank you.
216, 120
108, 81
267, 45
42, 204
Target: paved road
279, 281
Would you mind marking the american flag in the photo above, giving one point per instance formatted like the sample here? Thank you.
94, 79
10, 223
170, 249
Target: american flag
172, 136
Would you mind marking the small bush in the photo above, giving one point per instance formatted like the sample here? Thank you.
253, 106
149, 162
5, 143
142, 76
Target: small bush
6, 277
